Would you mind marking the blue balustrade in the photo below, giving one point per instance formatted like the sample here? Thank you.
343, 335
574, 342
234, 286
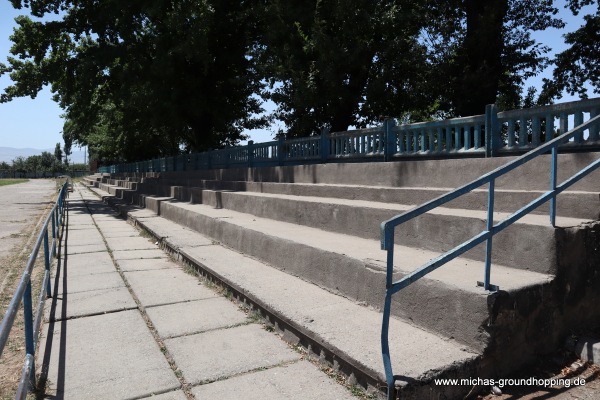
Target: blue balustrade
490, 134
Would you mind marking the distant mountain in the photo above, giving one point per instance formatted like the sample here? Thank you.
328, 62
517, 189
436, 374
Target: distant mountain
7, 154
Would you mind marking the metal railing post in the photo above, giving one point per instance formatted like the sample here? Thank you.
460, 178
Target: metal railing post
47, 261
280, 146
28, 321
492, 131
325, 147
54, 232
390, 139
250, 149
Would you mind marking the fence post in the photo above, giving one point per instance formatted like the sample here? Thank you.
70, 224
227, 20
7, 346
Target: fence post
324, 145
54, 231
492, 131
389, 148
250, 148
28, 328
47, 263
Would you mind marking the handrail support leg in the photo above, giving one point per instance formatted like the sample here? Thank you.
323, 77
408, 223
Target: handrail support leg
489, 226
553, 170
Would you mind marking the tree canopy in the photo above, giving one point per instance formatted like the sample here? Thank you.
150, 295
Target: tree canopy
141, 79
153, 77
580, 63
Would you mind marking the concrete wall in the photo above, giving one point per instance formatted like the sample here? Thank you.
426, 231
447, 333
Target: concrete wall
451, 173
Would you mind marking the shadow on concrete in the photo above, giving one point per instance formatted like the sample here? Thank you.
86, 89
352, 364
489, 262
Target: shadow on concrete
61, 273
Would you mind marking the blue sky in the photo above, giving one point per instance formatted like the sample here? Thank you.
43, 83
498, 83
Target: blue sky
36, 123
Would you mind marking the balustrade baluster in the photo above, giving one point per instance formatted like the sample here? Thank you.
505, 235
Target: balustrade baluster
467, 137
523, 132
578, 120
457, 139
549, 127
511, 133
535, 131
594, 130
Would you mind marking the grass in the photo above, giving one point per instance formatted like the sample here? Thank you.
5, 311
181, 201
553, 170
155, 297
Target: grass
5, 182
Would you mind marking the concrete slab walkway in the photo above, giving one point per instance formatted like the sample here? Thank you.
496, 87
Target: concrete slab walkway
126, 322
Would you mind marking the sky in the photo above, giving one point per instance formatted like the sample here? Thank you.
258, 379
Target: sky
36, 123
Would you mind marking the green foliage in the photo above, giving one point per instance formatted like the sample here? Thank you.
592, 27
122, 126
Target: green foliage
340, 63
58, 153
483, 51
142, 79
68, 143
147, 79
580, 63
354, 62
44, 163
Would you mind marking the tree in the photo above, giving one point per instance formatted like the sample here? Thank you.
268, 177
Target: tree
352, 62
68, 139
483, 51
580, 63
47, 162
154, 77
58, 153
33, 164
341, 63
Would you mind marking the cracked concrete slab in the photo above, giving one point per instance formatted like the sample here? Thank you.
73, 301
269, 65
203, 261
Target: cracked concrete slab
86, 248
91, 302
87, 282
213, 355
138, 254
145, 264
80, 264
80, 367
166, 286
297, 381
176, 395
200, 316
130, 243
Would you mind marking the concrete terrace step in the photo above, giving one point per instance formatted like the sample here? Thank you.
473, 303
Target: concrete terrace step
443, 227
339, 331
576, 204
447, 301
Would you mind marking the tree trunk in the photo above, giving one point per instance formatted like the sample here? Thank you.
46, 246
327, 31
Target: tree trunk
480, 61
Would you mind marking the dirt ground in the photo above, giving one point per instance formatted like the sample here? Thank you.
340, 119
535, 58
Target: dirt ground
579, 380
22, 208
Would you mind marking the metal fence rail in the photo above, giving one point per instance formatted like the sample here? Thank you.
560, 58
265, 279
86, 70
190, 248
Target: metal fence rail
388, 227
23, 293
490, 134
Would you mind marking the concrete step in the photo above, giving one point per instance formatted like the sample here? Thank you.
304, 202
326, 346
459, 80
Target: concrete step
341, 332
573, 204
443, 228
447, 301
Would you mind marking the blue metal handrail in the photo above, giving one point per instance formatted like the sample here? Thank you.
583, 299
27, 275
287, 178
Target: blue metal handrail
23, 293
388, 227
